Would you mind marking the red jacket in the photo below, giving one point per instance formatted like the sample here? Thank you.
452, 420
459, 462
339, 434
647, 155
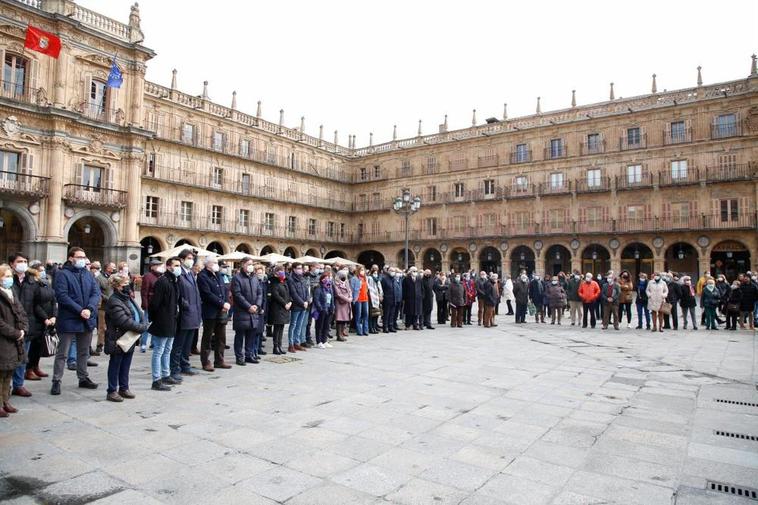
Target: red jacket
148, 288
589, 291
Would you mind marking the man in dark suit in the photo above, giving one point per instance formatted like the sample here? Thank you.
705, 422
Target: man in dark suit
190, 318
215, 312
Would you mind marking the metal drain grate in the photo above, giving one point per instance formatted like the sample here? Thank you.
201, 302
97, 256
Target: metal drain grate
741, 436
281, 359
735, 402
721, 487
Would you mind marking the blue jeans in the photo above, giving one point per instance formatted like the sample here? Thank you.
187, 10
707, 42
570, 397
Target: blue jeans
18, 373
146, 334
118, 371
180, 351
296, 334
642, 308
361, 318
71, 360
161, 360
246, 343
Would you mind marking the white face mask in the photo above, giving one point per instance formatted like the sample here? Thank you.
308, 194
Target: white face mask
21, 268
125, 271
215, 267
261, 276
188, 263
588, 277
161, 269
250, 269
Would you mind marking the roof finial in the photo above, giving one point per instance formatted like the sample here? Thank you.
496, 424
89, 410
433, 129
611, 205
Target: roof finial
394, 132
473, 118
505, 111
258, 109
205, 90
699, 76
302, 124
370, 139
173, 78
444, 124
754, 66
612, 95
539, 108
573, 98
419, 127
654, 89
335, 137
281, 117
234, 100
320, 133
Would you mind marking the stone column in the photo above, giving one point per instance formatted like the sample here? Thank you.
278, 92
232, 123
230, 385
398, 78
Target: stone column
138, 93
130, 227
55, 244
506, 263
59, 84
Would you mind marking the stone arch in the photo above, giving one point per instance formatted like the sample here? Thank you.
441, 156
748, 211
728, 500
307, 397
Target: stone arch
217, 247
335, 253
522, 258
432, 260
96, 233
637, 258
18, 231
149, 245
313, 252
557, 259
267, 249
110, 233
460, 260
490, 260
185, 241
371, 257
28, 224
596, 259
244, 247
683, 258
730, 258
401, 258
291, 252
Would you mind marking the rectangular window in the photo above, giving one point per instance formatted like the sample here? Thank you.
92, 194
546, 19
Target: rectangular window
556, 148
151, 206
268, 221
363, 201
459, 223
360, 230
556, 217
725, 126
459, 189
489, 186
92, 178
593, 143
594, 215
243, 219
14, 76
556, 180
522, 153
522, 218
634, 174
430, 224
151, 164
521, 184
342, 230
489, 221
679, 169
431, 193
188, 133
377, 171
217, 214
376, 200
405, 168
331, 228
245, 148
9, 163
633, 137
185, 212
678, 132
311, 226
245, 184
729, 210
594, 178
431, 165
364, 173
97, 99
291, 224
218, 141
635, 212
217, 177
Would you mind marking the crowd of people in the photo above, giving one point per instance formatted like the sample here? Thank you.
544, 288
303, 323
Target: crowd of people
185, 304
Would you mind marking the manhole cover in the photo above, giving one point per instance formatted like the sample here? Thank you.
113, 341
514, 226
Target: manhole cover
281, 359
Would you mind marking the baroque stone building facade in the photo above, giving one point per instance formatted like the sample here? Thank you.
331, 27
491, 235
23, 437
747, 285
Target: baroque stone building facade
663, 180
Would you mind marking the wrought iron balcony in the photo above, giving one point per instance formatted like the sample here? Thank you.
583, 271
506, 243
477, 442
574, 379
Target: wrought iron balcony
24, 185
88, 196
593, 186
677, 137
628, 181
722, 131
627, 143
679, 178
733, 172
521, 156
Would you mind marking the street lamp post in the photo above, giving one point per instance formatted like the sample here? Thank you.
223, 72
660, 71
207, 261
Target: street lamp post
405, 205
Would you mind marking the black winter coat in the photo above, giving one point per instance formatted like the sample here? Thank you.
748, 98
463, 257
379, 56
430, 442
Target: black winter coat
521, 291
12, 321
441, 290
456, 294
675, 292
247, 291
427, 292
25, 293
45, 307
749, 296
687, 299
734, 297
213, 294
119, 318
280, 296
164, 306
412, 296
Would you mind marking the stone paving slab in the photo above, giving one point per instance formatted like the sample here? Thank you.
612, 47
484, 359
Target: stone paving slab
513, 415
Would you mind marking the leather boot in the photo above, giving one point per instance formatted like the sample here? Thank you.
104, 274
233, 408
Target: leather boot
31, 376
9, 408
39, 373
291, 348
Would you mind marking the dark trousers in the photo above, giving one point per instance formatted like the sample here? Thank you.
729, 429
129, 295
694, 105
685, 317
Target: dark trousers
456, 317
467, 314
118, 371
441, 311
510, 308
427, 316
35, 352
411, 320
214, 337
628, 308
322, 327
731, 320
672, 321
308, 327
479, 310
389, 316
521, 312
588, 308
610, 312
245, 345
180, 352
277, 330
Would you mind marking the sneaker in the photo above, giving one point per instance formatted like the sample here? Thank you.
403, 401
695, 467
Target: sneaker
171, 381
114, 397
328, 345
629, 325
321, 346
160, 386
126, 394
143, 348
71, 366
87, 384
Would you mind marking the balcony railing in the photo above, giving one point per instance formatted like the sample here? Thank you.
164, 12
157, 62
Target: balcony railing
459, 164
550, 188
488, 161
516, 191
595, 226
521, 156
626, 143
593, 186
636, 225
553, 153
677, 137
88, 196
681, 222
593, 147
679, 178
24, 185
722, 131
720, 221
626, 181
741, 172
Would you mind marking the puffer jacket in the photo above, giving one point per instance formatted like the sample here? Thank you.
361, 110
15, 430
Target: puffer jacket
556, 296
45, 307
456, 293
588, 291
119, 318
12, 321
710, 298
627, 290
280, 297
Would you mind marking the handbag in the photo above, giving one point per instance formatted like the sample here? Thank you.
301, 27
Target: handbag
50, 342
531, 308
665, 308
127, 340
732, 307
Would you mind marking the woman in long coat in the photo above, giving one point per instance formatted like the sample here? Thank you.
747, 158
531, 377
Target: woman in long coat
279, 308
657, 291
13, 326
343, 296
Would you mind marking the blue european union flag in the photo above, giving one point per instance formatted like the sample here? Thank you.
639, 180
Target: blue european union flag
115, 78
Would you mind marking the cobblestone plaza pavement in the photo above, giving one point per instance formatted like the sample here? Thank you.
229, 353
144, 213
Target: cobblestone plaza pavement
526, 414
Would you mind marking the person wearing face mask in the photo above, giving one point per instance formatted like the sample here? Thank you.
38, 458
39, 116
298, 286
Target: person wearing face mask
456, 299
610, 294
247, 293
656, 295
710, 299
24, 288
389, 303
78, 297
688, 302
40, 320
671, 321
733, 304
589, 293
469, 286
427, 299
322, 309
190, 318
146, 292
376, 298
361, 302
343, 300
105, 293
14, 325
572, 296
215, 312
556, 299
278, 307
399, 304
749, 297
722, 286
537, 295
298, 288
508, 294
521, 293
121, 315
164, 305
641, 302
626, 297
412, 299
441, 291
311, 275
482, 285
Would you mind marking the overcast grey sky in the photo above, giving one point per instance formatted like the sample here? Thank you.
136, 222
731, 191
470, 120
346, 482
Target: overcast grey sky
361, 67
